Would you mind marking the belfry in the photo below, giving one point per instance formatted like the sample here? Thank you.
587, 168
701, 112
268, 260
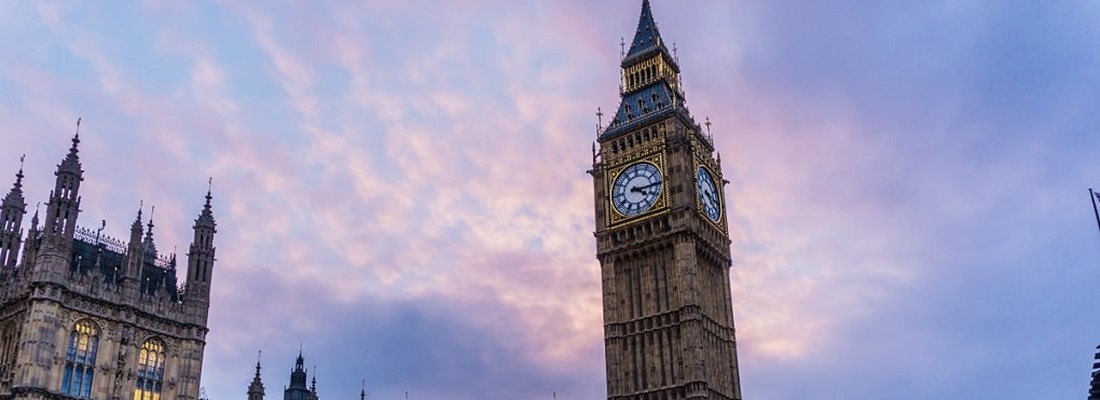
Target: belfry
662, 238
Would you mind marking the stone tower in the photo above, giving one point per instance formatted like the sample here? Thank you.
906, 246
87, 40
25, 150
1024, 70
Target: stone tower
86, 316
662, 238
298, 389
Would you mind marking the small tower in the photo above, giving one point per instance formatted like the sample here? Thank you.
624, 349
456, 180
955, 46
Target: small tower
12, 210
64, 205
256, 388
297, 389
200, 261
134, 253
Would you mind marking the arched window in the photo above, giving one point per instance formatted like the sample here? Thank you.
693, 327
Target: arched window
150, 373
80, 359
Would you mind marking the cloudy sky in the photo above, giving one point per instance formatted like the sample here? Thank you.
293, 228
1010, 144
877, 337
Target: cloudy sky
400, 186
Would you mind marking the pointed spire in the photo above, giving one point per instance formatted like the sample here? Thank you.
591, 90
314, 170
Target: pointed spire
206, 217
71, 163
136, 226
148, 242
34, 219
647, 37
256, 388
259, 356
15, 199
76, 137
363, 390
149, 226
19, 175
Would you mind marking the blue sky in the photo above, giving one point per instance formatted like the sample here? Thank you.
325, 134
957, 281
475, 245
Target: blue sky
400, 186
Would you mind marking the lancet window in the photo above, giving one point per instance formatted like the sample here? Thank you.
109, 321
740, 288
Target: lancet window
80, 359
150, 373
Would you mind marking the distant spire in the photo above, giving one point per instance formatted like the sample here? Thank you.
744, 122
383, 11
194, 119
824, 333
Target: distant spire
149, 233
15, 199
71, 163
206, 217
19, 175
34, 219
363, 390
76, 137
137, 221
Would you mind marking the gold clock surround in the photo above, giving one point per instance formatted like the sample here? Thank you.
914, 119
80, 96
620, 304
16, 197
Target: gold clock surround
660, 207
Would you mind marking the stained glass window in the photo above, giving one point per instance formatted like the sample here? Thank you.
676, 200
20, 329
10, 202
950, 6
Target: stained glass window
80, 359
150, 373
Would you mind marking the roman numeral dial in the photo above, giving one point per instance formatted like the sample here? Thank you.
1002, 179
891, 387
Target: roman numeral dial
636, 189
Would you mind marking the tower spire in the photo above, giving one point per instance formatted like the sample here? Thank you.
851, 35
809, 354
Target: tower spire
256, 388
650, 85
64, 205
12, 209
647, 37
19, 175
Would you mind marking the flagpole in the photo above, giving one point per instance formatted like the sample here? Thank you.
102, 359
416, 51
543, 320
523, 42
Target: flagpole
1094, 209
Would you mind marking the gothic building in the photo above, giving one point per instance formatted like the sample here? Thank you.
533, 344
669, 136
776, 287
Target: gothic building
297, 390
662, 238
85, 316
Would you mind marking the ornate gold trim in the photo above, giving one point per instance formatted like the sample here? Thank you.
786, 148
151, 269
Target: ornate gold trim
723, 208
614, 217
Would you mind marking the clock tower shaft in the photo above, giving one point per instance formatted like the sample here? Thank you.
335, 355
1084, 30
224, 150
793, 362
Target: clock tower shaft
668, 314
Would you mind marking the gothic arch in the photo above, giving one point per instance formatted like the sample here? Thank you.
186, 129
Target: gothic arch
150, 369
80, 358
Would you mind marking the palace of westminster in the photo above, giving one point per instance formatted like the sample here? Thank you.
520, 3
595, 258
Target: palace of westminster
85, 316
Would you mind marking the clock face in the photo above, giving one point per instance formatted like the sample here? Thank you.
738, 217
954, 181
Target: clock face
636, 189
708, 194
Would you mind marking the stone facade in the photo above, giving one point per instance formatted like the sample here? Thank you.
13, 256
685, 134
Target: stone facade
85, 316
662, 238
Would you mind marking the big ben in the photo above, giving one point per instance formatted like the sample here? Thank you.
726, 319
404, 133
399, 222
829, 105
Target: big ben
662, 238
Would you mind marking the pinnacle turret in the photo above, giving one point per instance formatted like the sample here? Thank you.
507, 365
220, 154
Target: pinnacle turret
150, 245
64, 206
200, 257
12, 210
256, 388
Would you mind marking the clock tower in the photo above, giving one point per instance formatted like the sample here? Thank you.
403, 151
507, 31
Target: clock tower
662, 238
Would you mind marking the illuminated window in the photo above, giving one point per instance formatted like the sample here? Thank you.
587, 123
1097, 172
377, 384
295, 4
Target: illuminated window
80, 359
150, 374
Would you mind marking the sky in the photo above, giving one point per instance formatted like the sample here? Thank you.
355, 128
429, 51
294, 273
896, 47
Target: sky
400, 186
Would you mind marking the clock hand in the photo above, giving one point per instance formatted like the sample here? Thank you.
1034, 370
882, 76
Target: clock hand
641, 189
712, 196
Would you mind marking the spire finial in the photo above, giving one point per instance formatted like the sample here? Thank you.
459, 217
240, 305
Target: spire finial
209, 188
150, 225
76, 137
622, 48
19, 175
